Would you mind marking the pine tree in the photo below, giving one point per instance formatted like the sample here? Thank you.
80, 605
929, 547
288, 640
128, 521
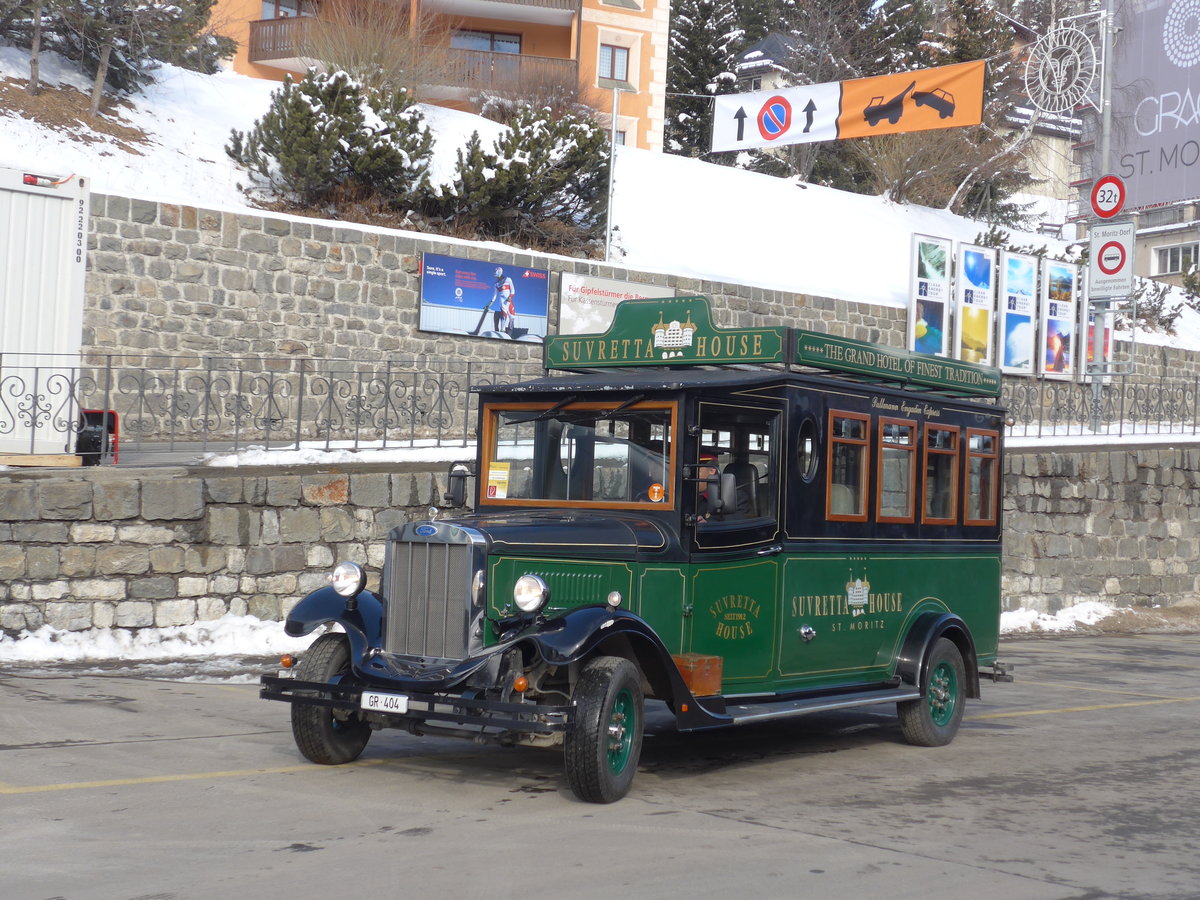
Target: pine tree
700, 66
546, 172
328, 132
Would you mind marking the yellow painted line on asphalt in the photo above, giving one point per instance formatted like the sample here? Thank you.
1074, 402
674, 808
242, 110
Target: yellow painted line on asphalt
1075, 709
186, 776
1068, 686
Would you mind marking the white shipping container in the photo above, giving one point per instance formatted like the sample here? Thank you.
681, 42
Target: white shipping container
43, 256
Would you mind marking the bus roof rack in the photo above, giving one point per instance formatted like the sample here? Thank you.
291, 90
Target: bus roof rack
678, 331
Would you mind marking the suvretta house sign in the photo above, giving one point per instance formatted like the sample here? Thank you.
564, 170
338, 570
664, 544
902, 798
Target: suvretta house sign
680, 332
665, 332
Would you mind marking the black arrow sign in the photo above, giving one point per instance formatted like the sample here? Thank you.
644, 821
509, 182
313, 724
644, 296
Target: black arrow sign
740, 115
808, 115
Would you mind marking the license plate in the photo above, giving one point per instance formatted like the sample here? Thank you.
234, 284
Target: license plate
388, 703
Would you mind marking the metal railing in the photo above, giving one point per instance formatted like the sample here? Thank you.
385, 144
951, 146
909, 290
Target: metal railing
192, 406
1127, 407
173, 405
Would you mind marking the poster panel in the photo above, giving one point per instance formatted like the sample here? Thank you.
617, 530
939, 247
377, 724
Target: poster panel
1018, 310
929, 295
1060, 285
483, 299
975, 292
586, 304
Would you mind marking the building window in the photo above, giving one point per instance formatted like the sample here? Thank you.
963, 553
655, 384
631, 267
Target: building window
621, 138
1176, 259
752, 84
1169, 215
288, 9
614, 62
486, 40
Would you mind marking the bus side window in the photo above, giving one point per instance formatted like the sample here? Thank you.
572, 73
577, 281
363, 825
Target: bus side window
897, 474
982, 458
846, 498
941, 475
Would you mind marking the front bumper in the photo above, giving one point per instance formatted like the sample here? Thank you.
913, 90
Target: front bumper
441, 709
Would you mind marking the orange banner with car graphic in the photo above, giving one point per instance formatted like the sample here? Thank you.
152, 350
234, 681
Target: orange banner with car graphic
945, 97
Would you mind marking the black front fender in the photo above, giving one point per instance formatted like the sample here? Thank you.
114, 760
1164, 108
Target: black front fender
588, 631
363, 623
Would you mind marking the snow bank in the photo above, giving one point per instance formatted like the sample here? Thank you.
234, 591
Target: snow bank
228, 636
1027, 621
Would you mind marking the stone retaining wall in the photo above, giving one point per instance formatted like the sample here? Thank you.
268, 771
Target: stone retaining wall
133, 548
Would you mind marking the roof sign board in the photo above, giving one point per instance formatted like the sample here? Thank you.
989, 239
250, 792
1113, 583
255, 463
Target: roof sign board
676, 331
827, 351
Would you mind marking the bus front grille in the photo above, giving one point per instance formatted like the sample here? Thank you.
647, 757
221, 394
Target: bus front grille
427, 587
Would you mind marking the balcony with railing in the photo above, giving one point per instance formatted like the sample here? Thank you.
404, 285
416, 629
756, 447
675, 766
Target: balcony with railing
484, 69
280, 43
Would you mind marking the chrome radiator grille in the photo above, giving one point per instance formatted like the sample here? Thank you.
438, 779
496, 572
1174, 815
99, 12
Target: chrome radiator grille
428, 592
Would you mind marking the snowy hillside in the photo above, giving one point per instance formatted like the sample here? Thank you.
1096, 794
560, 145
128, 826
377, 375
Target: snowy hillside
672, 214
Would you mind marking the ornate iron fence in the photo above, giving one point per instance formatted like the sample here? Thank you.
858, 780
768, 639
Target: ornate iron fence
1126, 407
198, 405
176, 405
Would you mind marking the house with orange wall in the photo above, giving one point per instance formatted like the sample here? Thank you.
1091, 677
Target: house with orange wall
610, 48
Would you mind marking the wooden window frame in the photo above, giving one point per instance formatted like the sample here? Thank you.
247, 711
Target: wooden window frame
611, 74
911, 447
865, 468
955, 465
994, 455
490, 417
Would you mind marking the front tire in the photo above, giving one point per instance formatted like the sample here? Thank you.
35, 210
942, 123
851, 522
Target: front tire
604, 740
327, 736
933, 720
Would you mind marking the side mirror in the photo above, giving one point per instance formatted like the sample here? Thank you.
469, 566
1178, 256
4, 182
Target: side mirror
722, 492
456, 494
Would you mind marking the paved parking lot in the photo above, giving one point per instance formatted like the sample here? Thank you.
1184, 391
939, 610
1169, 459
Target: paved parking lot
1081, 780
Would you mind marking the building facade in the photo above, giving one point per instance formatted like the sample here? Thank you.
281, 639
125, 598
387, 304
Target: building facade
599, 48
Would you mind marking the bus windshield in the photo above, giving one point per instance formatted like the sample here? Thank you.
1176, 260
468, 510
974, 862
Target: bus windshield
603, 454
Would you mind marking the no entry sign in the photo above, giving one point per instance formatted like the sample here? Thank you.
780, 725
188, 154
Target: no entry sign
1110, 260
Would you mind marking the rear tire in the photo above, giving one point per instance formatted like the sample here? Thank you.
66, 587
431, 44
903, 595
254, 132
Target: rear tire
327, 736
933, 720
604, 740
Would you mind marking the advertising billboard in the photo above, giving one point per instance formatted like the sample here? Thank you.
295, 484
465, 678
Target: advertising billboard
483, 299
586, 304
1018, 313
975, 291
929, 295
1060, 287
1156, 74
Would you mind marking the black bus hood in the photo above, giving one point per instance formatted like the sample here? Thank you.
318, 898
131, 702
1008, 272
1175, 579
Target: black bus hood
573, 532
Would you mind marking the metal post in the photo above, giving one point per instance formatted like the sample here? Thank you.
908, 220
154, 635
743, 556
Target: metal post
612, 166
1099, 309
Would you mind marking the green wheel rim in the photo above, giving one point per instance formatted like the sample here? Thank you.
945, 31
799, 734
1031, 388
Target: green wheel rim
622, 726
943, 693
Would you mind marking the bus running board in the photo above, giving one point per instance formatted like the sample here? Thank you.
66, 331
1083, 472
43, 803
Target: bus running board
762, 712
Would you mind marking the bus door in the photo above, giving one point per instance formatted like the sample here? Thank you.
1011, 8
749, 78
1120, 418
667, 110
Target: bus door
734, 590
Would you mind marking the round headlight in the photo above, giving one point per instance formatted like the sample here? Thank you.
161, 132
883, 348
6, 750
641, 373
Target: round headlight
530, 593
348, 579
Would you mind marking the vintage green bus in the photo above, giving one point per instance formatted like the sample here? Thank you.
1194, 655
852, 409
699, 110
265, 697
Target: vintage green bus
744, 524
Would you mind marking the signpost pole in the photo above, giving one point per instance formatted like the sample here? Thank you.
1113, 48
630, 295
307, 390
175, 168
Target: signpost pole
612, 166
1099, 309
